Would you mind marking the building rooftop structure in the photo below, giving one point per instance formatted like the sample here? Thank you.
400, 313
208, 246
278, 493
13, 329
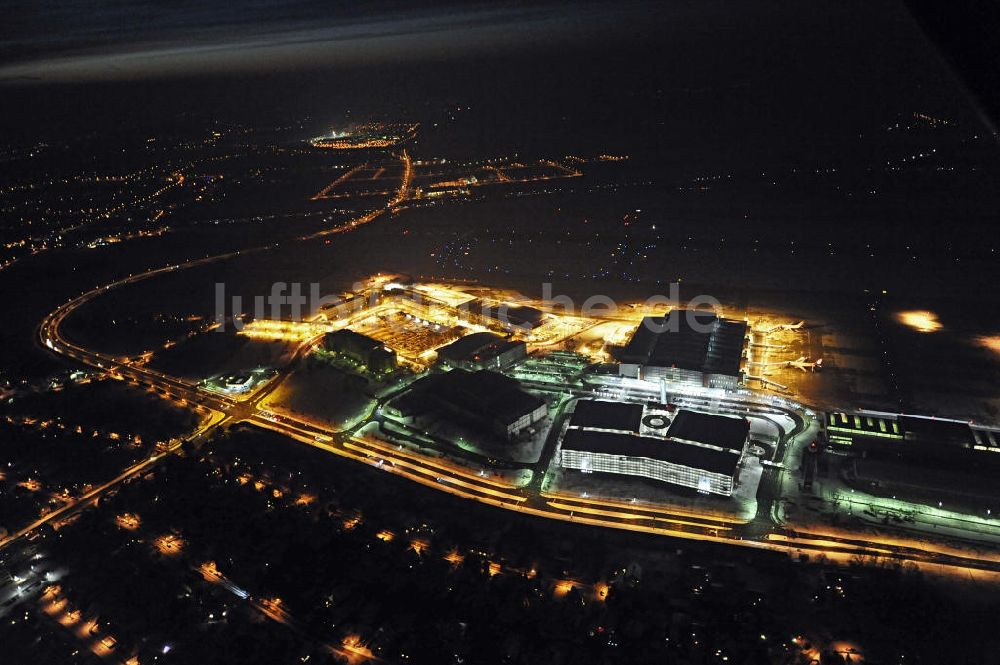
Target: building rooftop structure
920, 459
937, 431
915, 430
844, 427
708, 429
508, 316
664, 450
936, 442
486, 397
362, 349
349, 339
477, 347
604, 415
687, 339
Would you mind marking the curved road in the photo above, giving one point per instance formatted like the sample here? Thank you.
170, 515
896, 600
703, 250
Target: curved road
461, 481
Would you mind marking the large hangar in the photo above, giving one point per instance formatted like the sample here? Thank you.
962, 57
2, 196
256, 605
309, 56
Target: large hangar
686, 346
484, 400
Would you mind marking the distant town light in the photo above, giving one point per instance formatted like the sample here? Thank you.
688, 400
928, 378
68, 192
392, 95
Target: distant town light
990, 342
920, 320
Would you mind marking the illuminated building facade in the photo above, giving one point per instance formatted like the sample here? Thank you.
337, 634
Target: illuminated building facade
238, 383
915, 439
706, 470
704, 452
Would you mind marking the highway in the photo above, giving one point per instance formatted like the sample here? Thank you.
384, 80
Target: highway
222, 409
484, 487
464, 482
91, 497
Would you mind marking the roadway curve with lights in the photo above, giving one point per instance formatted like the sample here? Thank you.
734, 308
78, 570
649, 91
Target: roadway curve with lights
443, 475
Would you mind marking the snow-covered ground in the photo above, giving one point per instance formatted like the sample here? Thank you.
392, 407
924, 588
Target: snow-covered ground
833, 501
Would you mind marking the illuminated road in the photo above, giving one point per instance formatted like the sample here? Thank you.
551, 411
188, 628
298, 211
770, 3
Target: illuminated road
92, 496
461, 481
465, 483
485, 488
325, 192
223, 409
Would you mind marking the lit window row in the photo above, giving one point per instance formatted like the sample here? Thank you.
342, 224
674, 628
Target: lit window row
667, 472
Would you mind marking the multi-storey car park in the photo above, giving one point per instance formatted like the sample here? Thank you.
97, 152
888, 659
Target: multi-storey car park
697, 450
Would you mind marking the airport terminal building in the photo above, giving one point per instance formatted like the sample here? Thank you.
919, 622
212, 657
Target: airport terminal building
691, 347
503, 317
697, 450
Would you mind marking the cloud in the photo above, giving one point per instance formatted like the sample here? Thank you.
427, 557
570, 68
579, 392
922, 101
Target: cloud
308, 34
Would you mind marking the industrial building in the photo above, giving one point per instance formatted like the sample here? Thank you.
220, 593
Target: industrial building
692, 347
362, 350
482, 400
699, 450
940, 442
344, 307
503, 316
919, 459
482, 350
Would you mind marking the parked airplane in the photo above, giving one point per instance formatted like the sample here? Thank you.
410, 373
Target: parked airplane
783, 326
805, 365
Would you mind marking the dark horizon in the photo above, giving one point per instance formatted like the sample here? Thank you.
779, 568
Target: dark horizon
337, 332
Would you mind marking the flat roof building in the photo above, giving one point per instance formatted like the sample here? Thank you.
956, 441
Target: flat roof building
919, 459
701, 451
937, 431
360, 349
919, 440
607, 416
503, 316
482, 350
483, 399
687, 346
709, 429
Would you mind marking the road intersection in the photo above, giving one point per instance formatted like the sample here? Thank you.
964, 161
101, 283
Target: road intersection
481, 485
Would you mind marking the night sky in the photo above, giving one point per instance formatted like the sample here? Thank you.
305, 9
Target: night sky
825, 171
713, 85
